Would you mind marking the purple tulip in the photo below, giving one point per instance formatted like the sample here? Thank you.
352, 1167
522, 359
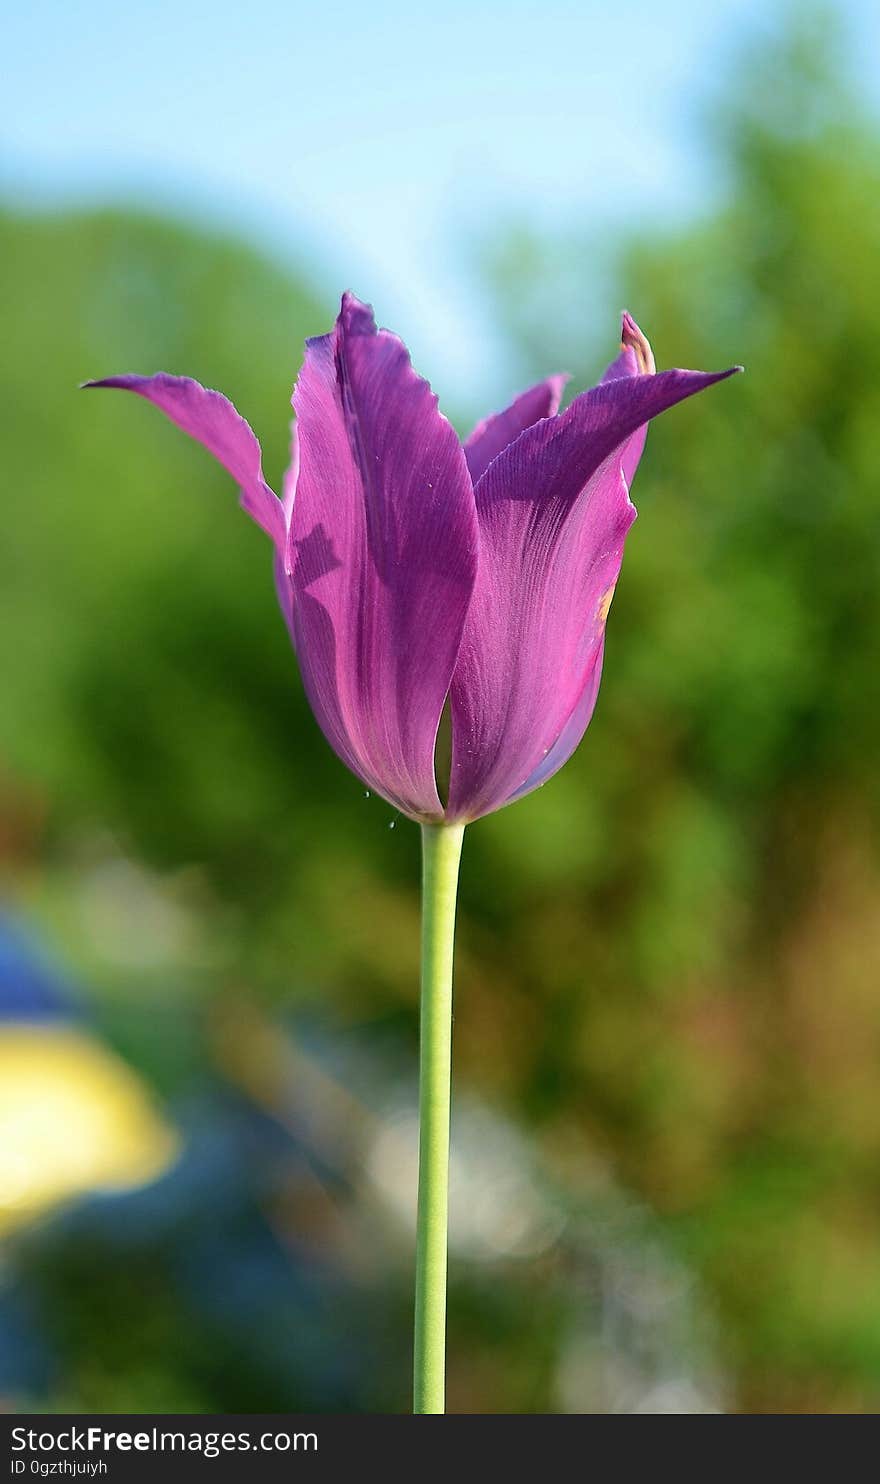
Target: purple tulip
414, 571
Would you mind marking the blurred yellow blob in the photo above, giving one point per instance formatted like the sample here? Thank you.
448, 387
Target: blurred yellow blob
73, 1118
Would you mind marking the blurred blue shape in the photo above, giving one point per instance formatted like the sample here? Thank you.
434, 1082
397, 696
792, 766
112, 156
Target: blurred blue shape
32, 987
26, 1365
283, 1310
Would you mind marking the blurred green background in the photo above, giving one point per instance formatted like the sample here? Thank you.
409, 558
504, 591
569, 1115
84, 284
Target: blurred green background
667, 1120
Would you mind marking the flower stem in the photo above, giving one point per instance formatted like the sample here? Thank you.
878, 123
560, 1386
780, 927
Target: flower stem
441, 853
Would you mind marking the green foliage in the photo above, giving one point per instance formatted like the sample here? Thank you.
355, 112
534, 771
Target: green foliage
721, 1014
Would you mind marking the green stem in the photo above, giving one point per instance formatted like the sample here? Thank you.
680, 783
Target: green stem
441, 853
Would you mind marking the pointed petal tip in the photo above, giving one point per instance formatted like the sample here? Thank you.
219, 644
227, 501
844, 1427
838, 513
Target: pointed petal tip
131, 381
355, 315
714, 376
134, 381
632, 338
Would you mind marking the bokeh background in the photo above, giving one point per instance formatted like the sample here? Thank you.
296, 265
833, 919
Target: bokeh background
666, 1176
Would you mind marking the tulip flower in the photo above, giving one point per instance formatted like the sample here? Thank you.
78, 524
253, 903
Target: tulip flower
417, 573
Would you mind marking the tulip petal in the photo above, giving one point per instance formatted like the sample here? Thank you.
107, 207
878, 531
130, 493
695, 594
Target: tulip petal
291, 475
553, 511
570, 736
382, 554
211, 419
495, 432
284, 593
635, 359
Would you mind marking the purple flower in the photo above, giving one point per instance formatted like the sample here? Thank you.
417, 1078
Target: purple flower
413, 571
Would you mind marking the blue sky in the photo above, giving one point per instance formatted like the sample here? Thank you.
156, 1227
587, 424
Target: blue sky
377, 141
